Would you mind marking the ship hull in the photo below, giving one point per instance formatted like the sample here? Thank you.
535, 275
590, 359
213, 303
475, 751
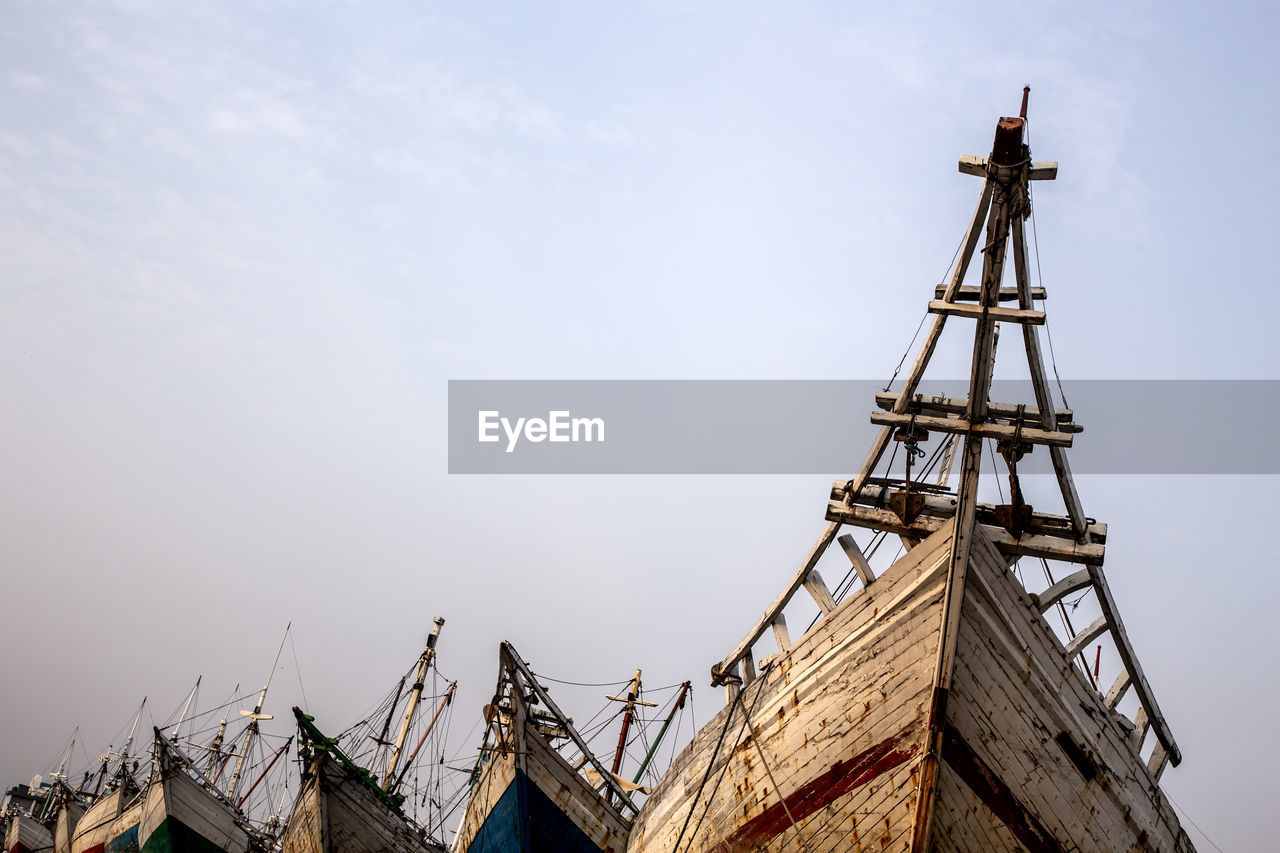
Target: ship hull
64, 829
542, 807
179, 816
335, 813
839, 724
25, 834
109, 826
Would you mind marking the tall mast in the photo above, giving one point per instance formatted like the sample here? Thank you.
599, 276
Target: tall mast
128, 743
60, 775
187, 707
424, 662
215, 749
254, 716
632, 699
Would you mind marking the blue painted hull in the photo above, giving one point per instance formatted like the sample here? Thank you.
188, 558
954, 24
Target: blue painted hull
525, 820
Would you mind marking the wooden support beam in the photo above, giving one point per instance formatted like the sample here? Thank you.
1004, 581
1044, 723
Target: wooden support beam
748, 669
1087, 636
1130, 660
1158, 761
821, 595
1141, 722
944, 506
1002, 315
986, 429
781, 634
1048, 546
919, 403
1064, 587
1118, 688
977, 166
971, 293
859, 560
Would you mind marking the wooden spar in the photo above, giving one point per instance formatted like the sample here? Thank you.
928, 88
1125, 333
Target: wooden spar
516, 665
1027, 317
448, 697
969, 293
279, 752
1047, 545
684, 692
254, 717
424, 663
980, 372
726, 667
922, 404
632, 699
381, 740
215, 748
1130, 660
960, 426
128, 742
979, 167
187, 707
1040, 382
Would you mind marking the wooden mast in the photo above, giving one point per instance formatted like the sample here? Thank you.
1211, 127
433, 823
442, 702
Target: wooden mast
254, 716
632, 699
424, 663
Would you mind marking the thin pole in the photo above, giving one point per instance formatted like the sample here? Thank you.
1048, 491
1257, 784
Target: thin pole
251, 732
644, 765
448, 697
174, 737
281, 751
424, 662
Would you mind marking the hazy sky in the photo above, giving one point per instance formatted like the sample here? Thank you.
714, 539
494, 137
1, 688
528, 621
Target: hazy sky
243, 247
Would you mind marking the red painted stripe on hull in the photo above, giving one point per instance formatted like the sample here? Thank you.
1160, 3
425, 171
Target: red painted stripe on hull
842, 778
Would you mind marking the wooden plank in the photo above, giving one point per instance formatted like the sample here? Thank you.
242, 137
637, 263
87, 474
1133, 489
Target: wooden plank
984, 429
971, 293
1130, 660
977, 166
821, 595
944, 506
1158, 761
1002, 315
859, 560
1047, 546
780, 633
1064, 587
1119, 687
888, 401
1087, 636
1141, 723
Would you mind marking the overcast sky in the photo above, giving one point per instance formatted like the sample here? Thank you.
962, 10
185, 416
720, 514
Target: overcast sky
243, 247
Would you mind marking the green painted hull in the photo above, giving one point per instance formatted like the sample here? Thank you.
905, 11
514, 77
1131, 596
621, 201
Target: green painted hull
173, 836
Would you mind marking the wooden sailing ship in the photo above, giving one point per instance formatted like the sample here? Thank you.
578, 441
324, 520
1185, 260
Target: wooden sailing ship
527, 797
935, 708
345, 808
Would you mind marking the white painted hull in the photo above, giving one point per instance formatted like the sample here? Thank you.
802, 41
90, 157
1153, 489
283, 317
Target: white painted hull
25, 834
838, 724
337, 814
178, 812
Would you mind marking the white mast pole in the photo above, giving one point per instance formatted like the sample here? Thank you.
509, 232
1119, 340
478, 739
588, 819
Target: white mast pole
424, 662
187, 707
254, 715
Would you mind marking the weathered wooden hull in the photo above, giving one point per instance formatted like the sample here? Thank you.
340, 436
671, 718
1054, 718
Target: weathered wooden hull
179, 816
25, 834
335, 813
65, 826
543, 807
109, 826
838, 724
